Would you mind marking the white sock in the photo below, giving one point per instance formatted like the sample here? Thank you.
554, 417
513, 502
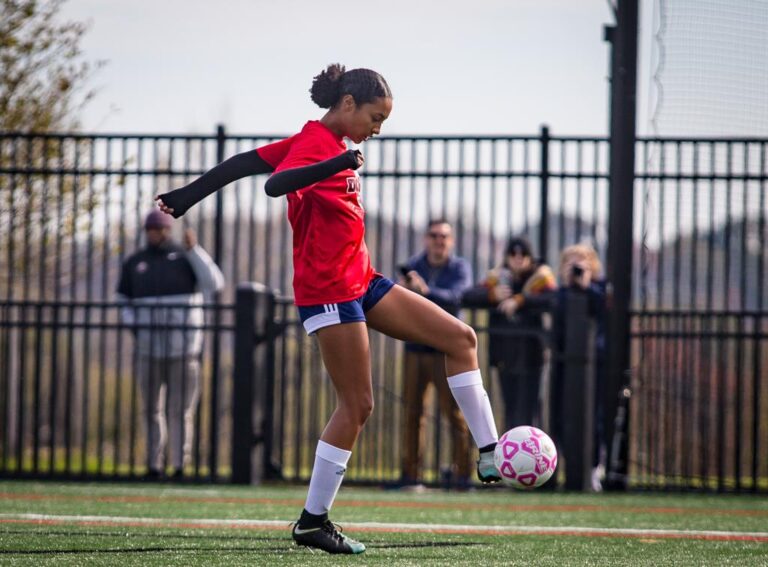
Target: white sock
327, 474
469, 393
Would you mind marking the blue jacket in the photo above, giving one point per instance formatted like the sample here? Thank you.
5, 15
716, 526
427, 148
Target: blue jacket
447, 284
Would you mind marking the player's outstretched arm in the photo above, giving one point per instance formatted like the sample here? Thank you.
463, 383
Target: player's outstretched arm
178, 201
289, 180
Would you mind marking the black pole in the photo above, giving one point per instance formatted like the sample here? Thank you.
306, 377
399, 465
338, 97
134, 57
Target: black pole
242, 384
578, 390
544, 194
253, 383
623, 39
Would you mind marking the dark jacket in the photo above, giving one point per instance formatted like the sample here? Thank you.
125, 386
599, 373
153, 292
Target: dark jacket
505, 350
162, 289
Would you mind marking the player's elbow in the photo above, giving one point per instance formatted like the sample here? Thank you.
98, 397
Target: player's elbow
272, 188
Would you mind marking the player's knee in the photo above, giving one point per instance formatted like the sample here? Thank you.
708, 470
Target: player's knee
361, 410
466, 338
462, 340
366, 409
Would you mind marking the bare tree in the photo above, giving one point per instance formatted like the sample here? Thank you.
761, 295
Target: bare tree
43, 85
43, 89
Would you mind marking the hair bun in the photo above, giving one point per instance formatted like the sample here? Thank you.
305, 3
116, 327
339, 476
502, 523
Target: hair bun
327, 85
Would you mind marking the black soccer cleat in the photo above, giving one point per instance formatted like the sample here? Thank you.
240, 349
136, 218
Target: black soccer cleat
486, 468
325, 537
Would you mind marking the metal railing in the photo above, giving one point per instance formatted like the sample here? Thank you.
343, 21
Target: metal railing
71, 399
71, 209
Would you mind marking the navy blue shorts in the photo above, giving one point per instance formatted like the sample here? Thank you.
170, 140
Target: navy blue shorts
315, 317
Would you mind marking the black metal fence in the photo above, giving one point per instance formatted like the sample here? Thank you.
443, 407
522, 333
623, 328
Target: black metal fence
72, 404
71, 208
699, 410
281, 414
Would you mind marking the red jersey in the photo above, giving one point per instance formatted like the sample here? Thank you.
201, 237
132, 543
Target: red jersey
330, 259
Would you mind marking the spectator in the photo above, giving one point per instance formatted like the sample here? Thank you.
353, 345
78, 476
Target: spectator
518, 291
162, 286
580, 270
441, 277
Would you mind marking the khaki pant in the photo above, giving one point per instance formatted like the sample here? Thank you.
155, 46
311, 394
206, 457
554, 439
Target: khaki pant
177, 381
421, 370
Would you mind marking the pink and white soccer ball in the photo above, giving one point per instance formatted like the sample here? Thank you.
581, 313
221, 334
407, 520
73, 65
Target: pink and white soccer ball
525, 457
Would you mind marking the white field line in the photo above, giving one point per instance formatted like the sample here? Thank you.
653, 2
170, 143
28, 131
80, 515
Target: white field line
390, 526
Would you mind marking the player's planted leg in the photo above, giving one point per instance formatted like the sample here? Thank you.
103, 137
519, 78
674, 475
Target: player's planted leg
346, 357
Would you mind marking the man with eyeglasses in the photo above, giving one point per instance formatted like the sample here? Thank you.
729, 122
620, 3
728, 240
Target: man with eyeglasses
442, 277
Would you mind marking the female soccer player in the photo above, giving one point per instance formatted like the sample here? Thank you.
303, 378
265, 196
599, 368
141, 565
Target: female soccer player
337, 292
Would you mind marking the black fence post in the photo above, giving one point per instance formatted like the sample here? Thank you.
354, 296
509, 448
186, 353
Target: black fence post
251, 392
578, 395
544, 196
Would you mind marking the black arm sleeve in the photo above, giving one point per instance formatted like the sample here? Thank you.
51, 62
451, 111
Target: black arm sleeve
290, 180
236, 167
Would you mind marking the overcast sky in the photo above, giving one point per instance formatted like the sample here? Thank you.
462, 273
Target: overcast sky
492, 66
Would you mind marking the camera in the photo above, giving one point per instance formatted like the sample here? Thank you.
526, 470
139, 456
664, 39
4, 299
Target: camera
404, 269
577, 271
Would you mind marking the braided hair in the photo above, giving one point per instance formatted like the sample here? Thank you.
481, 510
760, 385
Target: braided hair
365, 85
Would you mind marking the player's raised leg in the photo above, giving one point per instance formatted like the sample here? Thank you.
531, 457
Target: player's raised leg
346, 355
410, 317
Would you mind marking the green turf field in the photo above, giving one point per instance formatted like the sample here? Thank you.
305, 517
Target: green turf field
145, 524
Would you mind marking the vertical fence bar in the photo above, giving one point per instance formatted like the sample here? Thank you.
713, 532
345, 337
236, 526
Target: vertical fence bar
689, 426
758, 329
27, 204
121, 239
56, 374
476, 216
496, 185
102, 343
579, 201
221, 141
85, 422
741, 328
561, 185
677, 343
43, 289
544, 194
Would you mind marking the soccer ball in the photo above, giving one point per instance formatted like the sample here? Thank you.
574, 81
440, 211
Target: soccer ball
525, 457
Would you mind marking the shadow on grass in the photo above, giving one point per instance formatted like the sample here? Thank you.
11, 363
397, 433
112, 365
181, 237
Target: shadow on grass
287, 544
76, 533
423, 544
126, 551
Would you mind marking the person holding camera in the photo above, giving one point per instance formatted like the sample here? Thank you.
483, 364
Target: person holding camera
518, 292
440, 276
580, 272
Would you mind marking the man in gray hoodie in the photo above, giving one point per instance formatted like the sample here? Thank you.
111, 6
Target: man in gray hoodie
162, 287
